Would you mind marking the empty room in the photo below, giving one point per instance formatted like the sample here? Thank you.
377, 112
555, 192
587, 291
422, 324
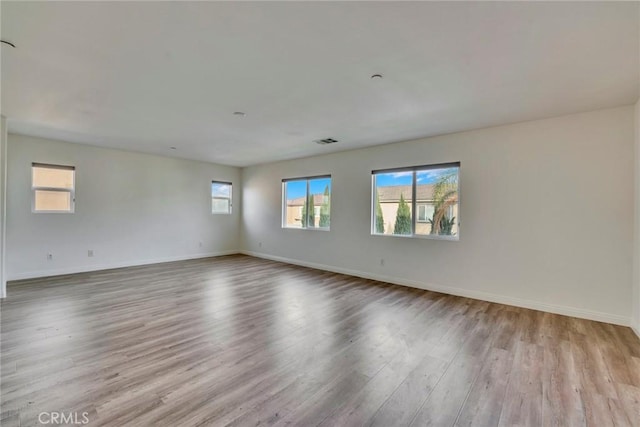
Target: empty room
320, 213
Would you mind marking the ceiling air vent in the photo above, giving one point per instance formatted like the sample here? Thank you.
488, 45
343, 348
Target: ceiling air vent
326, 141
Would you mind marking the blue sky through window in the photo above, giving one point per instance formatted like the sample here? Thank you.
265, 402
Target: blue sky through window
220, 190
433, 175
317, 186
406, 177
296, 189
394, 178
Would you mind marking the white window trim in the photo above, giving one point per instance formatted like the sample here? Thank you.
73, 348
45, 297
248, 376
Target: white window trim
418, 206
230, 198
71, 191
414, 203
284, 201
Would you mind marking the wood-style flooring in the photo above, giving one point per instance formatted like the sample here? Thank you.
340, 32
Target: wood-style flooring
242, 341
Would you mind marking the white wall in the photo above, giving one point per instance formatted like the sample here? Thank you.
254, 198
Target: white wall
546, 215
3, 183
636, 252
130, 209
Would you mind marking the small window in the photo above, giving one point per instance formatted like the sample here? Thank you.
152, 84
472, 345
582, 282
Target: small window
431, 192
53, 188
221, 193
425, 212
307, 203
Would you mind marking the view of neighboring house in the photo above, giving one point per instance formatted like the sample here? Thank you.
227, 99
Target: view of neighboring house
389, 198
295, 210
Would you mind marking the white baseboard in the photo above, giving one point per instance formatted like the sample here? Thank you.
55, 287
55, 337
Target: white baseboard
109, 266
480, 295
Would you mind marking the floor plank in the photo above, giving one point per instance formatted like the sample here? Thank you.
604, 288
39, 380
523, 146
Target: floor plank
241, 341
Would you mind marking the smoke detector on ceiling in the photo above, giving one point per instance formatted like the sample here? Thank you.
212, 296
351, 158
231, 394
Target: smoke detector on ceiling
326, 141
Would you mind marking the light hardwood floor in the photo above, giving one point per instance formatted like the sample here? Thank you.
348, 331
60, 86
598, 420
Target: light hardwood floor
242, 341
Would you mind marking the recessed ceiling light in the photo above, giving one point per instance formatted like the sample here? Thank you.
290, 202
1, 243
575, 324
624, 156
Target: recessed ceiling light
239, 113
173, 148
376, 76
8, 43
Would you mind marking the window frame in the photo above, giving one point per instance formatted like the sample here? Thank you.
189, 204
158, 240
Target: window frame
71, 191
414, 204
230, 198
306, 196
418, 206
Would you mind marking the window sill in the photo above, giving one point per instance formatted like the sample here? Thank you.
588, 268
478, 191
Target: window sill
307, 229
420, 236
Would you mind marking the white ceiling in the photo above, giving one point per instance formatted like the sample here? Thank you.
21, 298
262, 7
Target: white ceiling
147, 76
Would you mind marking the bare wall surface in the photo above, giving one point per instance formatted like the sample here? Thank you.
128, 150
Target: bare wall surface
130, 209
3, 205
636, 253
546, 215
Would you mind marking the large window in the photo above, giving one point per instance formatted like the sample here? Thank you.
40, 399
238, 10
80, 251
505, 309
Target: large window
430, 191
221, 193
307, 202
53, 188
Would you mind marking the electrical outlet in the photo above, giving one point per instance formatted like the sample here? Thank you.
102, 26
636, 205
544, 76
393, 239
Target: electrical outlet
259, 244
382, 262
90, 253
49, 257
200, 244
